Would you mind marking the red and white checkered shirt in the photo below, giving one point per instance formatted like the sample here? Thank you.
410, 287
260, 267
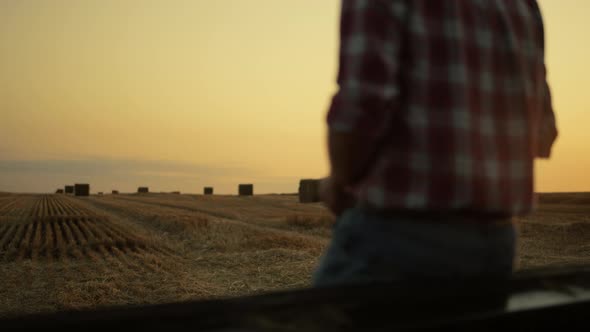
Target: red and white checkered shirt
452, 95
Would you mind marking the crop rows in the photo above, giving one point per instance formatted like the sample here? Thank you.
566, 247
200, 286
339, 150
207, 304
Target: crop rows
57, 227
57, 206
16, 206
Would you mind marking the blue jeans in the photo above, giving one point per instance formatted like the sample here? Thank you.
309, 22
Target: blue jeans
368, 247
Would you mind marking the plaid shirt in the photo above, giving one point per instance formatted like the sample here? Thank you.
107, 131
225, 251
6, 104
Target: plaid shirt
453, 98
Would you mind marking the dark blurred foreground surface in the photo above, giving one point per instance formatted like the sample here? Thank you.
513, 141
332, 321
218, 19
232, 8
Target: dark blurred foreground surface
556, 299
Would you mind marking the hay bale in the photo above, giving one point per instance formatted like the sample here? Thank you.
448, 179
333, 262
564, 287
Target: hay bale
69, 190
115, 192
143, 190
82, 189
208, 190
59, 191
246, 189
309, 191
175, 193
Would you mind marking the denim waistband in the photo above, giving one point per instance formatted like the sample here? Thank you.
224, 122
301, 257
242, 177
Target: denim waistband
445, 216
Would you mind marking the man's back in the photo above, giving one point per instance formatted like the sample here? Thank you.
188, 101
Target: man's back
451, 98
442, 108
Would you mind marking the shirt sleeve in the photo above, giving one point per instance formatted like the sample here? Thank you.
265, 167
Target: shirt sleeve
370, 43
547, 130
547, 127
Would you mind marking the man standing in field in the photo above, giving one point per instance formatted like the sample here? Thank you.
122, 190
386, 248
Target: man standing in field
441, 110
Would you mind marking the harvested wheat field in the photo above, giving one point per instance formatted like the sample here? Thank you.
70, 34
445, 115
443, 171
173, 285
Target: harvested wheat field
62, 252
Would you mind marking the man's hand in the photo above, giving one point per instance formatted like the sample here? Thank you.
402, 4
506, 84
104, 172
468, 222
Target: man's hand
546, 139
336, 197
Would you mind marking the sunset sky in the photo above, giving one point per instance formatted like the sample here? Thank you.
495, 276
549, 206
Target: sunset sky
181, 94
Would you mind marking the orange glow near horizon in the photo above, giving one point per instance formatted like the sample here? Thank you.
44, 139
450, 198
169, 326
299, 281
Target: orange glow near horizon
182, 94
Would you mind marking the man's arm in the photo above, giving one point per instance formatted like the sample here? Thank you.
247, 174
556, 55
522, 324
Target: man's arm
349, 158
547, 126
361, 110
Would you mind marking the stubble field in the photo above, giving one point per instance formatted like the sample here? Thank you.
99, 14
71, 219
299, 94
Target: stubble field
60, 252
